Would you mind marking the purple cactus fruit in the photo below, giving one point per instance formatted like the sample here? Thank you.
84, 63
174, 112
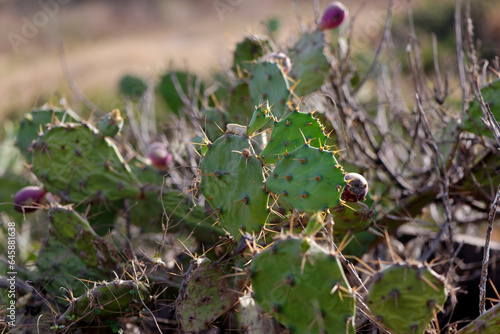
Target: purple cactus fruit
28, 196
333, 16
356, 188
159, 156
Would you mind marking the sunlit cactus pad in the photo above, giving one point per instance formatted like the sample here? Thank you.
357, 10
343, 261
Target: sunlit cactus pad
303, 286
405, 297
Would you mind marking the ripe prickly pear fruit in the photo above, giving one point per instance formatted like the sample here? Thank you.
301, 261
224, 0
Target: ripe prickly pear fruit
28, 196
333, 16
111, 123
355, 189
160, 158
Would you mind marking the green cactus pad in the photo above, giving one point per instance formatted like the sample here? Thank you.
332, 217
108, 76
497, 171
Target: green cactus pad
290, 133
309, 179
36, 122
351, 217
261, 116
75, 232
232, 182
60, 268
267, 82
239, 106
187, 82
486, 323
303, 286
403, 297
472, 121
251, 318
107, 300
204, 296
132, 87
310, 65
78, 165
248, 50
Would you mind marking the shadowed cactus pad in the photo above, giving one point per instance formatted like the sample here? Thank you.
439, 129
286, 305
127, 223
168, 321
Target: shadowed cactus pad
232, 182
310, 65
404, 297
77, 164
309, 179
351, 217
204, 296
290, 133
303, 286
248, 50
261, 116
114, 299
472, 121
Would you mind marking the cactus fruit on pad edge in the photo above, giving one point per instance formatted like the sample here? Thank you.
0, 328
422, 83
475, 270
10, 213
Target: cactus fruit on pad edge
232, 182
303, 286
404, 297
77, 164
309, 179
204, 295
114, 299
290, 133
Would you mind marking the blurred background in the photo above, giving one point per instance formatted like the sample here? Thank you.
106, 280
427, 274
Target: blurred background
104, 40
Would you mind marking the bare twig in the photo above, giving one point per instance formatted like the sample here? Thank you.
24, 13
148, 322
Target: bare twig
385, 36
486, 253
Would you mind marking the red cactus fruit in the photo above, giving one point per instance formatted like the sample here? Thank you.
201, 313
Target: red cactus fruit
355, 189
28, 196
160, 158
333, 16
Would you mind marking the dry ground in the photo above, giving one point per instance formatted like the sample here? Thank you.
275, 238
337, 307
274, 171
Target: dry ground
106, 39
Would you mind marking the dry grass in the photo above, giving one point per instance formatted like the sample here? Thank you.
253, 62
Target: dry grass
104, 40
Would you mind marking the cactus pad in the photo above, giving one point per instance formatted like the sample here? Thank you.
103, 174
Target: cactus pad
261, 116
232, 181
77, 164
309, 179
303, 286
239, 106
351, 217
75, 232
114, 299
310, 65
36, 122
290, 133
267, 82
472, 121
404, 297
248, 50
204, 296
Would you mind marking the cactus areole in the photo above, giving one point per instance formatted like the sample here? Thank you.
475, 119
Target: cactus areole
333, 16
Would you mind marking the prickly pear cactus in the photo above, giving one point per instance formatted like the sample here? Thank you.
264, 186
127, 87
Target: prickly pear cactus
404, 297
261, 116
75, 232
351, 217
239, 106
310, 65
232, 182
486, 323
251, 318
36, 122
291, 132
308, 179
110, 124
107, 300
78, 165
267, 82
204, 296
251, 48
303, 286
